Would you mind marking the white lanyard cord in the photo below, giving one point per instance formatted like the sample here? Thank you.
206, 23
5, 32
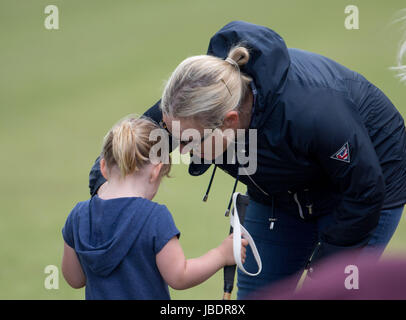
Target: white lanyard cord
239, 231
255, 184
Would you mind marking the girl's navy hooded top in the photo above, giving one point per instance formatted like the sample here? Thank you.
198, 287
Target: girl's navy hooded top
117, 241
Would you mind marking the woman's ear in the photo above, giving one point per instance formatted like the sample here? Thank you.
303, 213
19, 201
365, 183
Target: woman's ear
155, 173
103, 168
231, 120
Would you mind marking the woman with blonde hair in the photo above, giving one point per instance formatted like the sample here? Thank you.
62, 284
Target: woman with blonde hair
330, 150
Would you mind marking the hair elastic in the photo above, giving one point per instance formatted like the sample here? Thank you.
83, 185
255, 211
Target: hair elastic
232, 62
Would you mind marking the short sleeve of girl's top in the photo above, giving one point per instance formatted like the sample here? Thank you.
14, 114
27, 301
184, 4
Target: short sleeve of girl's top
67, 231
162, 227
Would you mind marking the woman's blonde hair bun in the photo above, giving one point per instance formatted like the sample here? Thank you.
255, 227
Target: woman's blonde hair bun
240, 55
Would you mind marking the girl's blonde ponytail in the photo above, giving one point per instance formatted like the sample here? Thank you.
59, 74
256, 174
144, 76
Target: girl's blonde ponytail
129, 149
128, 145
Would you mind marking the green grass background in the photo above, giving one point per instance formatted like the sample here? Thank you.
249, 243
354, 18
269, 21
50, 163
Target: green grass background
60, 91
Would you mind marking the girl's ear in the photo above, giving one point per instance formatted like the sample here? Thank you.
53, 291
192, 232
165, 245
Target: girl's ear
103, 168
155, 173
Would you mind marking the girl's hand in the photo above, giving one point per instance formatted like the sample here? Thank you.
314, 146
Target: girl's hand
180, 273
226, 250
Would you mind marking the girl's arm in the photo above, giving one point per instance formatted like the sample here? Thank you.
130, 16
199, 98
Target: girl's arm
180, 273
71, 268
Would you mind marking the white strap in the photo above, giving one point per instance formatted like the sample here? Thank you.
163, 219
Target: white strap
239, 231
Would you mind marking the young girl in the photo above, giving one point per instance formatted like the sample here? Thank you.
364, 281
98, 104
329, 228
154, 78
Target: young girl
120, 243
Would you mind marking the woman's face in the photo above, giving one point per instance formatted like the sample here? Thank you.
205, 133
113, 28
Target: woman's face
206, 143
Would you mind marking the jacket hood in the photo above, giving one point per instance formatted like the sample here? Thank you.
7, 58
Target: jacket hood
268, 64
268, 67
105, 230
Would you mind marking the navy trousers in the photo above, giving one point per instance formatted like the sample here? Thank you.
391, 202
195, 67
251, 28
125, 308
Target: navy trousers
286, 248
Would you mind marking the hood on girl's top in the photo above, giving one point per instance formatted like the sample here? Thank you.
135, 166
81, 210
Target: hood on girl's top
103, 231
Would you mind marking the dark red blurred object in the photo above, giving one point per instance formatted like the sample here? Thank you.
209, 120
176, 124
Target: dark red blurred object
346, 277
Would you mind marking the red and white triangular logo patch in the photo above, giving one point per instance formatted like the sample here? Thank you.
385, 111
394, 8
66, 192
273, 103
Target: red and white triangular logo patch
343, 154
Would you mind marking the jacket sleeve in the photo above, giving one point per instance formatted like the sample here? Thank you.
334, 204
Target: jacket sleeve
336, 138
96, 179
154, 113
